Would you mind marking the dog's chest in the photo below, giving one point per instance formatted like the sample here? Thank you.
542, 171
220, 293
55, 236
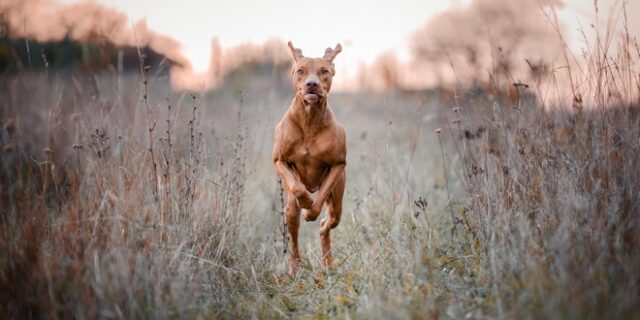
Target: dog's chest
302, 153
308, 151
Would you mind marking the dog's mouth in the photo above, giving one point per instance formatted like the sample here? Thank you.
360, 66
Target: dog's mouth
311, 97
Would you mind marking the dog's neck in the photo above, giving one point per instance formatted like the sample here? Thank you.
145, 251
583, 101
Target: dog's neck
310, 114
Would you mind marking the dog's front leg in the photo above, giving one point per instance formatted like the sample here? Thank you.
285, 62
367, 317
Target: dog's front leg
323, 193
293, 185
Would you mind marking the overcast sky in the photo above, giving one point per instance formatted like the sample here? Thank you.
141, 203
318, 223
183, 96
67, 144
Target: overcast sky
366, 28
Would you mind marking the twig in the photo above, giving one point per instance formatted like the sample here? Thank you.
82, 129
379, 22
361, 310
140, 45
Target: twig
213, 263
446, 179
151, 125
223, 187
285, 238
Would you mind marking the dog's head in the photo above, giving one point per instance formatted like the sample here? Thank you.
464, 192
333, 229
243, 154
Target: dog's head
312, 76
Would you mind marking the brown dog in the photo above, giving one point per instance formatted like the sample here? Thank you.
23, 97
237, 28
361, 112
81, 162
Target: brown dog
309, 151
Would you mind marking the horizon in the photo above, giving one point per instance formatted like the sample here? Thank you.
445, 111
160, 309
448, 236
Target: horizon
187, 36
363, 43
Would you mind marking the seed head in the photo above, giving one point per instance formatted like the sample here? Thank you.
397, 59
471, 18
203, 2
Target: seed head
10, 126
9, 148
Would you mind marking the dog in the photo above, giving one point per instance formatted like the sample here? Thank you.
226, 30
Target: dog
310, 151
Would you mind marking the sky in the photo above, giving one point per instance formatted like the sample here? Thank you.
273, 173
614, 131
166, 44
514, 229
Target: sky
366, 29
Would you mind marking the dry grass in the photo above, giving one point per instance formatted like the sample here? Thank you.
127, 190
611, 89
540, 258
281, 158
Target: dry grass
507, 211
86, 235
553, 201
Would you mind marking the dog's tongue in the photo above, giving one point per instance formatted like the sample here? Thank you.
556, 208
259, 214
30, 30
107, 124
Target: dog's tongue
311, 97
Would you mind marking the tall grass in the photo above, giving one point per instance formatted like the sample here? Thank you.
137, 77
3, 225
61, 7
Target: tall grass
84, 231
514, 208
553, 201
552, 190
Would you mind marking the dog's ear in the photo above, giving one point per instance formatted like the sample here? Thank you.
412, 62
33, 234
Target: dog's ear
295, 52
331, 54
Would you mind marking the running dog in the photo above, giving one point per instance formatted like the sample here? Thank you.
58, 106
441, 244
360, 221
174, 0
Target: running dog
310, 150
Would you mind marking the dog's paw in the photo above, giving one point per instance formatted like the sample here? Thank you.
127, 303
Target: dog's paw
316, 207
308, 215
303, 198
304, 203
294, 267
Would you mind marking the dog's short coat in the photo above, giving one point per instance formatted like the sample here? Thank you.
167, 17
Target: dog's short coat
309, 151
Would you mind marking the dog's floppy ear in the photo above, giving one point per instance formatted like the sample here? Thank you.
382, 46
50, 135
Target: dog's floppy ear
295, 52
331, 54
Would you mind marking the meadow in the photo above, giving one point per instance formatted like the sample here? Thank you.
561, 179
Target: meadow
122, 199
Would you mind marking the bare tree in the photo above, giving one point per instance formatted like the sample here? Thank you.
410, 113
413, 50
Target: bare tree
488, 37
386, 70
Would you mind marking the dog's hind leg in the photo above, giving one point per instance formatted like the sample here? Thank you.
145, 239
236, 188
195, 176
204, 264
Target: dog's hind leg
293, 225
334, 213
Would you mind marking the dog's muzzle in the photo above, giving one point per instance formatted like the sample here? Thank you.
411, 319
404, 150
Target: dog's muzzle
311, 97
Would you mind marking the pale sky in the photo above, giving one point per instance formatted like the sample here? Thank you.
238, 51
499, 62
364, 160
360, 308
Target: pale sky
366, 29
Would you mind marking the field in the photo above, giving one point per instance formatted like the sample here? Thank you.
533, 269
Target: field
122, 199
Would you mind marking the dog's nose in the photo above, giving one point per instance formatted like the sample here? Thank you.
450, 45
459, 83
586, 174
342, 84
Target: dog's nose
311, 85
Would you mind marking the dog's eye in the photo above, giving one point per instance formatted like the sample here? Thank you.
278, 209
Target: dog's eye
325, 71
300, 71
